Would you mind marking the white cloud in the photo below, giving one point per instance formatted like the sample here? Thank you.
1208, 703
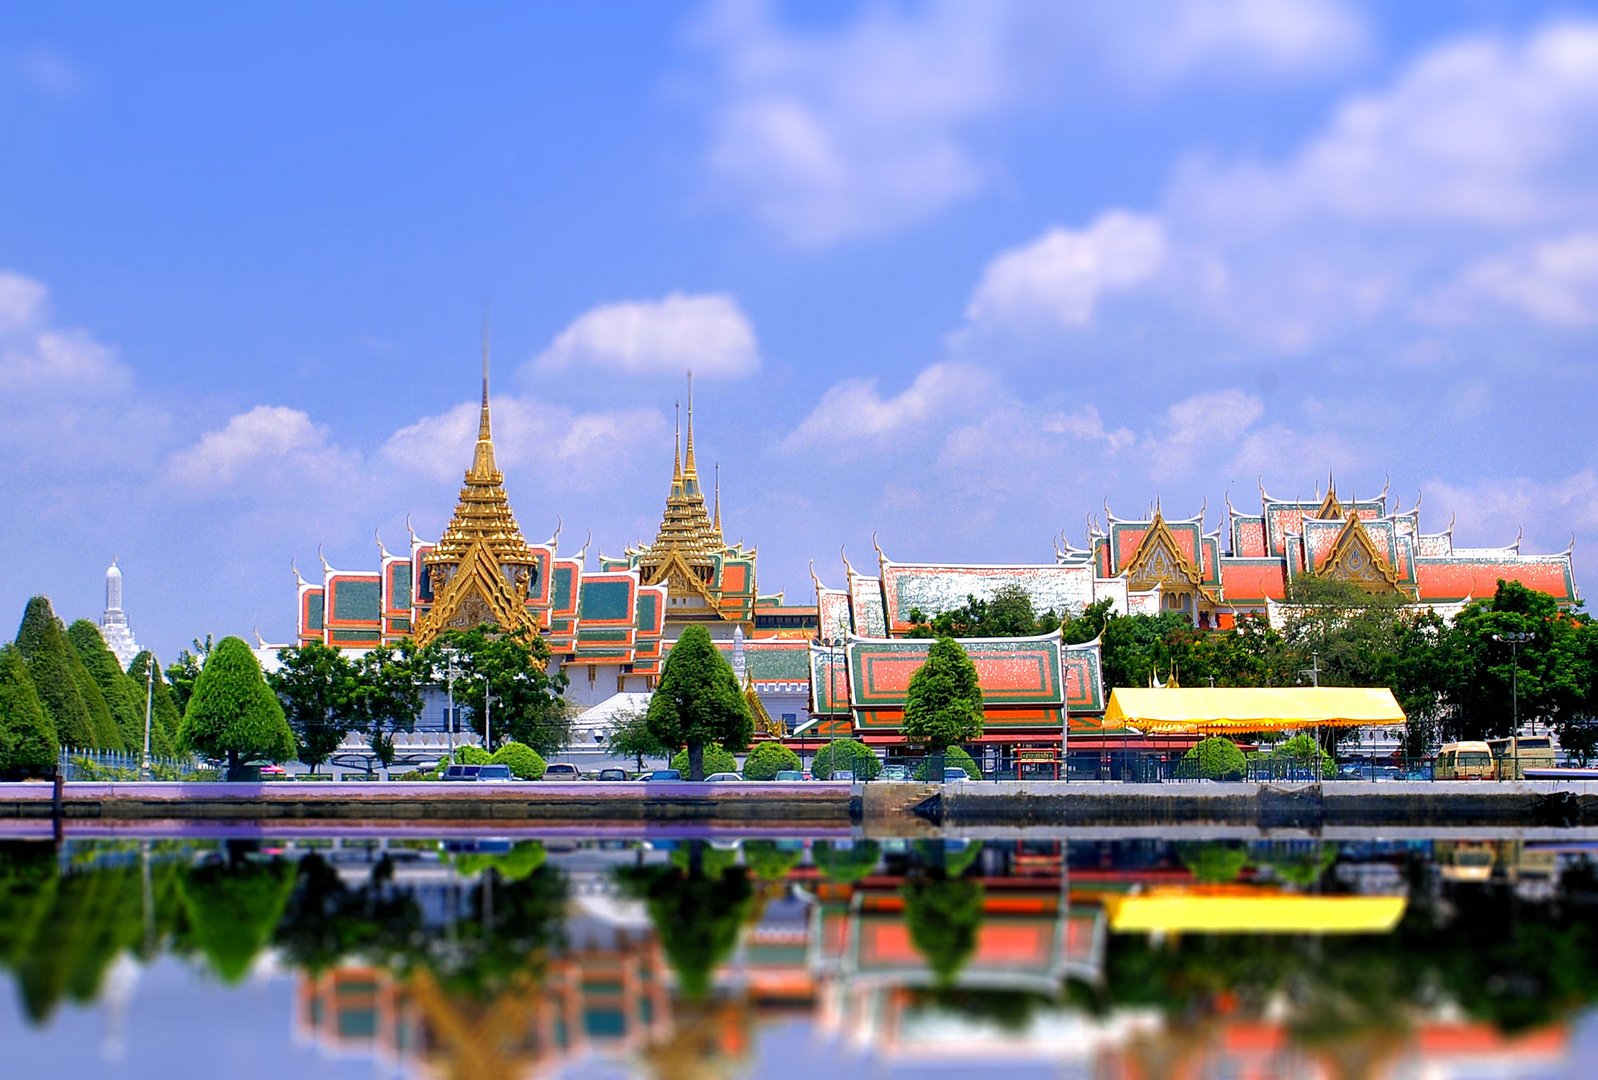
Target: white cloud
569, 449
1060, 278
43, 70
853, 416
270, 447
1491, 511
707, 333
1552, 281
865, 127
1086, 424
1195, 426
39, 357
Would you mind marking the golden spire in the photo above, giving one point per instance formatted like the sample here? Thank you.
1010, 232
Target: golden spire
676, 451
718, 500
690, 470
483, 459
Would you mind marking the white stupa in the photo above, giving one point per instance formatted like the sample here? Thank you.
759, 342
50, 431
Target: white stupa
114, 623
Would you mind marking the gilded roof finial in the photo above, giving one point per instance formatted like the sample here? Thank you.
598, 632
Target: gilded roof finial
718, 499
690, 470
483, 460
676, 449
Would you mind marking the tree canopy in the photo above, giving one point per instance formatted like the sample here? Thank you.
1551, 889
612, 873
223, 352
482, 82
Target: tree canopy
699, 701
943, 704
55, 668
27, 737
1007, 613
232, 713
316, 686
851, 754
505, 680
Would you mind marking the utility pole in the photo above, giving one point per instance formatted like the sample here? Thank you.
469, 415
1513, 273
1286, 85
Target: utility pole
451, 673
149, 697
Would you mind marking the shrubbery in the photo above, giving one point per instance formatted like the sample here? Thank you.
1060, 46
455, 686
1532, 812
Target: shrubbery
525, 762
1303, 750
717, 759
1215, 758
464, 755
846, 754
767, 760
953, 758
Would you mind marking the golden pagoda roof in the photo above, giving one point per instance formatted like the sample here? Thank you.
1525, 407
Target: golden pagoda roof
482, 513
686, 527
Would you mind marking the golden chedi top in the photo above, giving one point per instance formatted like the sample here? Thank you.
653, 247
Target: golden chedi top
481, 569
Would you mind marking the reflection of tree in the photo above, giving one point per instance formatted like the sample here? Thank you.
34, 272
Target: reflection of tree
1296, 864
233, 905
943, 915
845, 863
770, 862
696, 909
327, 922
1213, 861
521, 861
954, 857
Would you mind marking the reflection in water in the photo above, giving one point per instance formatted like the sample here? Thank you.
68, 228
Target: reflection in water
1136, 959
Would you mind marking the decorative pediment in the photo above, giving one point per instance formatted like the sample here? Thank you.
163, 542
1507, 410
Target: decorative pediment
1159, 562
1331, 509
681, 578
478, 591
1355, 558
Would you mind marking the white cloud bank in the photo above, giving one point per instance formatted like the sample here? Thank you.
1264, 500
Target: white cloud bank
706, 333
871, 125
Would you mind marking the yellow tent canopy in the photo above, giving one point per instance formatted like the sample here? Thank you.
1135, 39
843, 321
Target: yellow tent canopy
1177, 711
1217, 911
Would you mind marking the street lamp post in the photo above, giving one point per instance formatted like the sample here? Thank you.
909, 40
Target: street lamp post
451, 673
149, 697
1514, 639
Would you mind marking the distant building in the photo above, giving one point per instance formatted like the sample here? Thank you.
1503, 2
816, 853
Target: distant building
114, 622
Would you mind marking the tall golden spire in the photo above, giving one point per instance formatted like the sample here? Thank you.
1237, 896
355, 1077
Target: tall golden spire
676, 451
690, 470
483, 459
718, 500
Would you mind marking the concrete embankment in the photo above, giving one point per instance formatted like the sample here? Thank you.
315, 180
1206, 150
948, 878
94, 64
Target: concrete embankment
884, 809
1344, 803
801, 805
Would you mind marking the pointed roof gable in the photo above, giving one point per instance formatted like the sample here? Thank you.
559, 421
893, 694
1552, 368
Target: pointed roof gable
1354, 557
1160, 561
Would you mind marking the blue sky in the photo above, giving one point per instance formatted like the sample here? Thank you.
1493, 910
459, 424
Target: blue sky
953, 273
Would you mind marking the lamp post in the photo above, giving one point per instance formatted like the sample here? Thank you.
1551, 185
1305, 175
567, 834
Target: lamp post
149, 697
1514, 639
451, 673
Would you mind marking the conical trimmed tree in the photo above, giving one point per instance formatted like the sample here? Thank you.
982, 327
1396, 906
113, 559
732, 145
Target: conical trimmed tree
943, 704
164, 714
233, 715
27, 737
699, 701
112, 682
51, 661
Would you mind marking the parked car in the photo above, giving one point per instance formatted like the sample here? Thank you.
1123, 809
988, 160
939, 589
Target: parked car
661, 774
499, 774
954, 772
462, 772
897, 773
789, 774
843, 774
612, 774
560, 770
723, 778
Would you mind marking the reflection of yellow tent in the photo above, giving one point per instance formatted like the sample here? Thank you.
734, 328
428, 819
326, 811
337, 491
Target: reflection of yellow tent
1247, 910
1181, 711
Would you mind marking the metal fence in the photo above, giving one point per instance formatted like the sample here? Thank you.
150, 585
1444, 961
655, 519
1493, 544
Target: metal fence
85, 764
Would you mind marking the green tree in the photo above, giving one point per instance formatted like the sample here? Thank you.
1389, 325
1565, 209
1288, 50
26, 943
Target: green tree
851, 754
699, 701
1549, 673
1214, 758
185, 670
315, 685
232, 713
767, 759
51, 662
1302, 750
943, 915
525, 762
631, 736
715, 759
1007, 613
697, 915
387, 694
234, 904
127, 716
771, 860
1213, 862
953, 758
844, 860
507, 684
943, 704
164, 714
28, 743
